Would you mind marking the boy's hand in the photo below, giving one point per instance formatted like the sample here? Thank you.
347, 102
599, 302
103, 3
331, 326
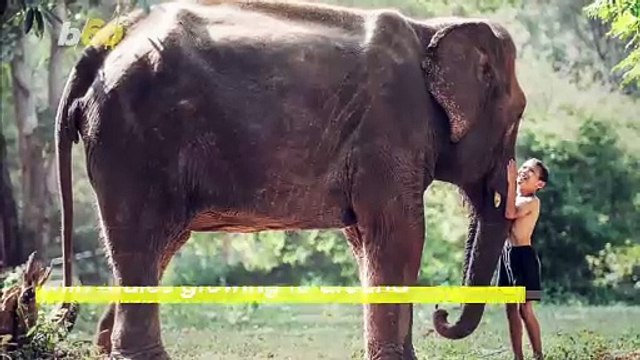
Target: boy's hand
512, 172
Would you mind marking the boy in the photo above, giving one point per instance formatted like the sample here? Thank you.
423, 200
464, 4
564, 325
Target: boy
519, 263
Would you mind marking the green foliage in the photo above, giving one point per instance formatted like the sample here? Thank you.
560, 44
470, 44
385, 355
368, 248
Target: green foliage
25, 18
617, 271
624, 17
446, 231
47, 340
41, 343
10, 278
266, 258
576, 46
589, 202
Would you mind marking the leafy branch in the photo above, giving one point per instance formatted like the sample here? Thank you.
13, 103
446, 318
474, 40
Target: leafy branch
26, 14
624, 17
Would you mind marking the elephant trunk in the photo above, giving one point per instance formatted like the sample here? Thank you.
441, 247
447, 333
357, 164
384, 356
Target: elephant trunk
471, 237
487, 233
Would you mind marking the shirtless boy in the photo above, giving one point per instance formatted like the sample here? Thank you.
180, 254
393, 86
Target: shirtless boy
519, 263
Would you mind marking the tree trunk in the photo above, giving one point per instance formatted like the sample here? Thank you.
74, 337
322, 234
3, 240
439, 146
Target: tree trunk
10, 251
30, 147
56, 59
56, 82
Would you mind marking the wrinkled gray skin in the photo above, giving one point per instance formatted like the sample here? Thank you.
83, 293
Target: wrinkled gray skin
261, 116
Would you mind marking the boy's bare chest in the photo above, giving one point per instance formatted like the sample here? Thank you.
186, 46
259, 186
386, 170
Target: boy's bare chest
522, 200
522, 228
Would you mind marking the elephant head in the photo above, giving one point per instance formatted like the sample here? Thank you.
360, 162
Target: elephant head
470, 72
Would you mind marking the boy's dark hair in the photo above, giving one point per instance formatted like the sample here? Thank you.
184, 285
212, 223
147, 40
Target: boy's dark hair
544, 172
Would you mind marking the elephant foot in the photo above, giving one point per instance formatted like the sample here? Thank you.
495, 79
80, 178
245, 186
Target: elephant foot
156, 352
385, 351
409, 353
103, 341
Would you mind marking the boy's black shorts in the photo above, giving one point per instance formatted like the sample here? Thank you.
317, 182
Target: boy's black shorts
520, 266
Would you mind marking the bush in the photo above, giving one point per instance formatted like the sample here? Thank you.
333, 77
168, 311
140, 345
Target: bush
617, 271
47, 338
267, 258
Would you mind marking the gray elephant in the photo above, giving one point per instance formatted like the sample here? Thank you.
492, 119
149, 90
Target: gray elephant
245, 116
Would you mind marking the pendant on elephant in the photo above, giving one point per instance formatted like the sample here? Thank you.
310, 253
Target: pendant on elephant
497, 199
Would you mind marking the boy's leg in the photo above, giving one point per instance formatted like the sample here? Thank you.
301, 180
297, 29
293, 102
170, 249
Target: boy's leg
515, 331
533, 328
531, 280
505, 278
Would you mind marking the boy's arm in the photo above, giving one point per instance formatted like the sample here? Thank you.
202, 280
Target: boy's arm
510, 211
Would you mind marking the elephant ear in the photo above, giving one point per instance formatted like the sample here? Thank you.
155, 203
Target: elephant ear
459, 72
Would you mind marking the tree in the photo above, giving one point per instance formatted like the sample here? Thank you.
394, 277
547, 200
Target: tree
30, 122
9, 233
577, 46
624, 17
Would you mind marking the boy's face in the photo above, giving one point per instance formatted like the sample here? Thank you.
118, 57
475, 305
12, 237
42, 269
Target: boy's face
529, 177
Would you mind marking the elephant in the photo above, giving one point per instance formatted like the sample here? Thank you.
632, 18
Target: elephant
245, 116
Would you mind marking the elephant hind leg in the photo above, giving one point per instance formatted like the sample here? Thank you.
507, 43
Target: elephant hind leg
136, 330
105, 324
104, 330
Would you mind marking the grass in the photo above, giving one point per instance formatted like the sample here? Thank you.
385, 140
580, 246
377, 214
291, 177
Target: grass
335, 332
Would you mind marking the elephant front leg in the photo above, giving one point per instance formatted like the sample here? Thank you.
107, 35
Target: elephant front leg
354, 236
105, 325
136, 329
408, 352
411, 278
392, 247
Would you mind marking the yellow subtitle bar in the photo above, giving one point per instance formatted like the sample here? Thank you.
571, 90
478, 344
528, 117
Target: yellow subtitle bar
282, 294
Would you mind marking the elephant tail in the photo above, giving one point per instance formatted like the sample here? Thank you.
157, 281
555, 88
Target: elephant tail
68, 121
